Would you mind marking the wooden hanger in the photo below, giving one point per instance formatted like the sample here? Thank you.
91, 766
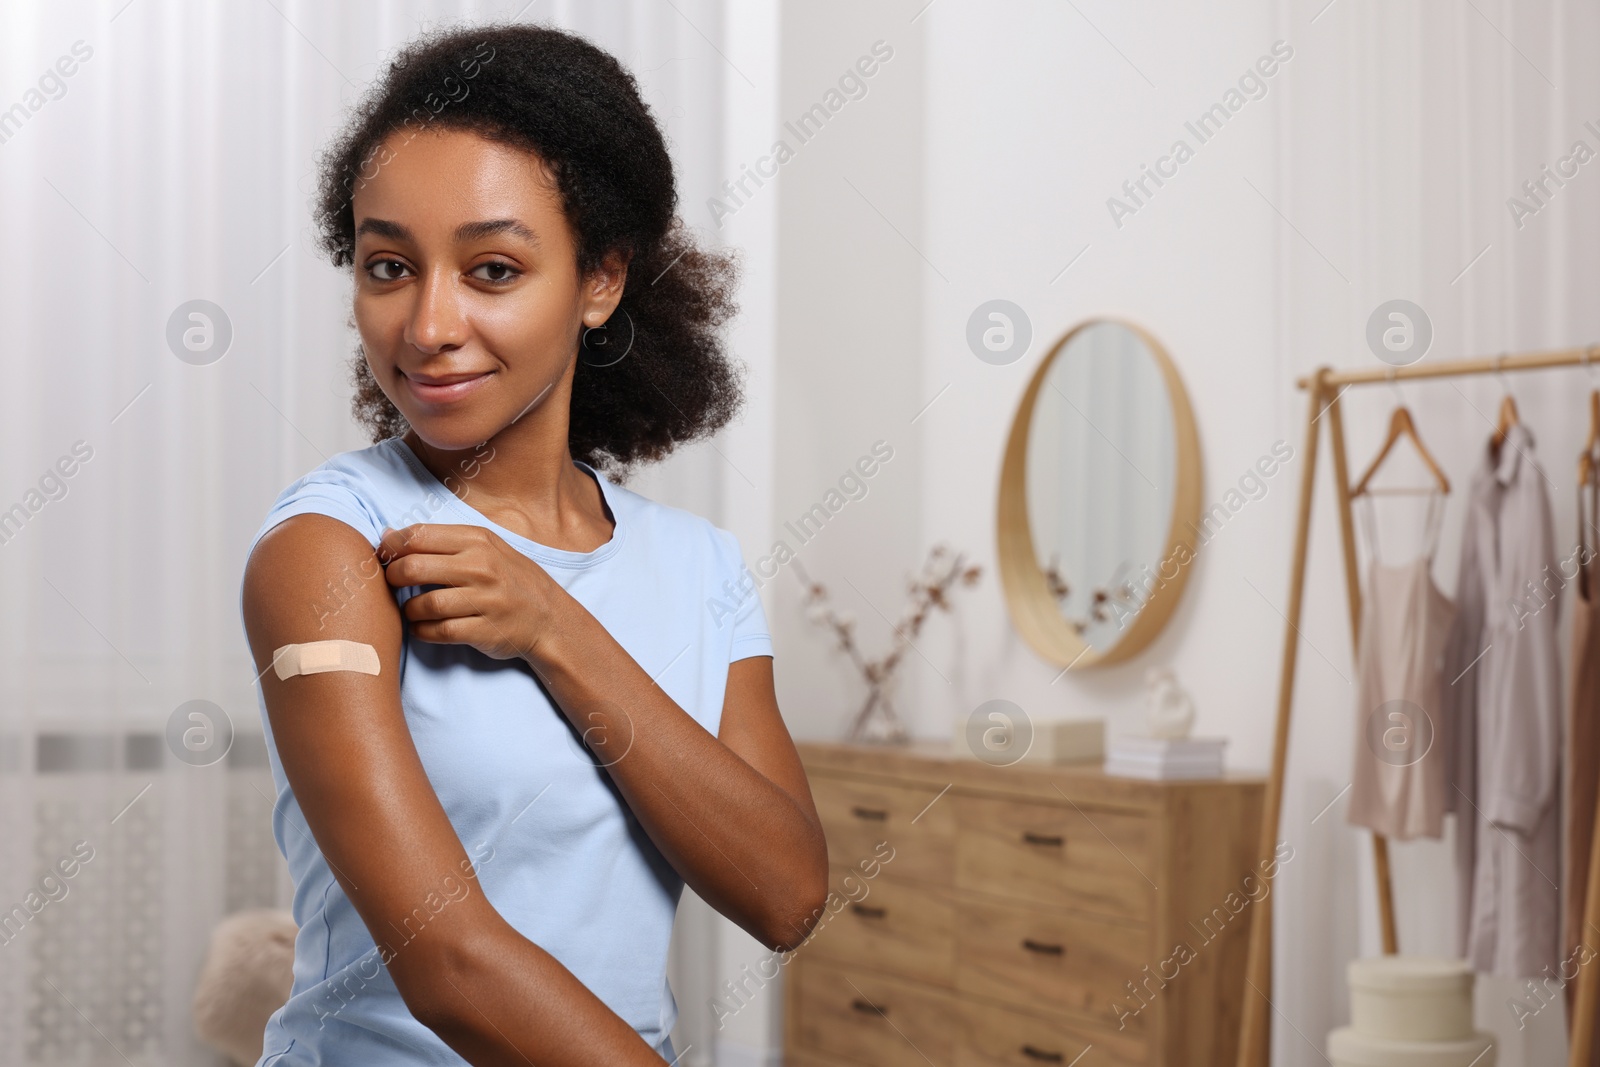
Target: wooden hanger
1508, 419
1586, 461
1508, 409
1400, 425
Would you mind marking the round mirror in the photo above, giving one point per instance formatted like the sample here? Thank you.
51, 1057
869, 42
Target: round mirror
1099, 496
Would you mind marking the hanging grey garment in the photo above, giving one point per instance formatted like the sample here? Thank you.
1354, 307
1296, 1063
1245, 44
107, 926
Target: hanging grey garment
1463, 660
1398, 772
1513, 807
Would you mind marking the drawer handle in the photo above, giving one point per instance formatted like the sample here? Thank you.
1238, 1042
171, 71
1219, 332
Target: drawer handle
875, 814
867, 911
869, 1008
1041, 1055
1051, 840
1041, 948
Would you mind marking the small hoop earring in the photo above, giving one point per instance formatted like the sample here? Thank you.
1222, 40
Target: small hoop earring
596, 342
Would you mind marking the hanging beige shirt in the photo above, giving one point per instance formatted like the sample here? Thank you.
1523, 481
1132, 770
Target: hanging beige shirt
1398, 771
1511, 718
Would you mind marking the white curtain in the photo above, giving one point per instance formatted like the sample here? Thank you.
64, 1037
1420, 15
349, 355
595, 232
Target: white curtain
1409, 129
152, 153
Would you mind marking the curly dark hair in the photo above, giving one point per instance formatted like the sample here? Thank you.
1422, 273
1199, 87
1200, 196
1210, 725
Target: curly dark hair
573, 105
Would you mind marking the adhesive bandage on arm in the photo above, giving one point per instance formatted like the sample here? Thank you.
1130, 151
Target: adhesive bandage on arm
316, 657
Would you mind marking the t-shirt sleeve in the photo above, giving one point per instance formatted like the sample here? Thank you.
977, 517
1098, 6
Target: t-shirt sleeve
749, 620
325, 491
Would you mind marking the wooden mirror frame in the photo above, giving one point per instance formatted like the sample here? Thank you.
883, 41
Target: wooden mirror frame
1034, 611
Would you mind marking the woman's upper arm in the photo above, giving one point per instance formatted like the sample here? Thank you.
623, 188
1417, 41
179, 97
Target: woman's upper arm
345, 747
752, 728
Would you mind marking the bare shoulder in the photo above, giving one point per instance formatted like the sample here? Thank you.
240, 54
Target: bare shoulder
311, 578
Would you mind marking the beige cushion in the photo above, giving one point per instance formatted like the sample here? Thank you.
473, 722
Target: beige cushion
247, 975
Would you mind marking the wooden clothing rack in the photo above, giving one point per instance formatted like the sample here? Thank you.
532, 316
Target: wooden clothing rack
1324, 388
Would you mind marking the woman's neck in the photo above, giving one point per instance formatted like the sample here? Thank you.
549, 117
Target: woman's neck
523, 478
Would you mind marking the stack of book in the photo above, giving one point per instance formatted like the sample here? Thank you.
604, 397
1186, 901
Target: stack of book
1164, 758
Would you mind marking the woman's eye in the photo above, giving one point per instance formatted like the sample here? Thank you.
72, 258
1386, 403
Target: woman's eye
375, 269
499, 272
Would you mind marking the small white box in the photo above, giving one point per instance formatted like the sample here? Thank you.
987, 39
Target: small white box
1063, 741
1411, 998
1348, 1047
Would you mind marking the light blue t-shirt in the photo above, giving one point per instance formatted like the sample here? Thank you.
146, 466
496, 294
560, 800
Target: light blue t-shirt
556, 850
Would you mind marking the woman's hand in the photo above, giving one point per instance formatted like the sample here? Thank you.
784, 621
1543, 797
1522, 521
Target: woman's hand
496, 599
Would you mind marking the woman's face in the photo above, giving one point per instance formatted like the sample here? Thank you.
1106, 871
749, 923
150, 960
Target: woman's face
468, 298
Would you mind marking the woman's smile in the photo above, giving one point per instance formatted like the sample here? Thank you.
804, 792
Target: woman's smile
444, 388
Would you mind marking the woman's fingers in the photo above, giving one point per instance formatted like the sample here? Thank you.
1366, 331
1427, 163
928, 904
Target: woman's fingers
447, 603
487, 594
431, 537
479, 631
430, 570
437, 554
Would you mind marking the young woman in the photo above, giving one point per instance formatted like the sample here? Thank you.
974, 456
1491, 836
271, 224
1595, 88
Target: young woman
566, 688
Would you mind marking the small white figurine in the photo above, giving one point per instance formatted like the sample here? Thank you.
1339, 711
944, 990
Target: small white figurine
1169, 710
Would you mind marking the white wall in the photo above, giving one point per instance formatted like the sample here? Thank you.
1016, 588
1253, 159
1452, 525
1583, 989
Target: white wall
1376, 165
850, 335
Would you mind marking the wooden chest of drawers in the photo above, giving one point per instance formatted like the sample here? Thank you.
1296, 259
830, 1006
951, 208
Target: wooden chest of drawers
1022, 916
